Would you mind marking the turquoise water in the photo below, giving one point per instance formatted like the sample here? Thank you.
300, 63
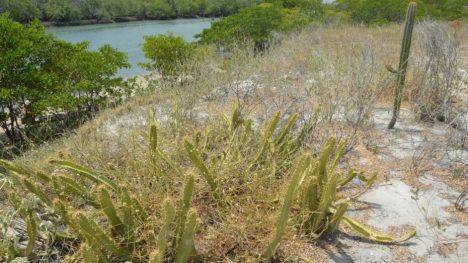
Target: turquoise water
128, 37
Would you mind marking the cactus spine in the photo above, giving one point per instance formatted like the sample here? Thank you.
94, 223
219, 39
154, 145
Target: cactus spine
403, 66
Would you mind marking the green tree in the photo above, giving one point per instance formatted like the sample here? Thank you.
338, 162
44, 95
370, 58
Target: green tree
159, 9
81, 80
89, 9
22, 49
186, 7
168, 53
61, 10
253, 25
310, 7
52, 74
20, 10
369, 11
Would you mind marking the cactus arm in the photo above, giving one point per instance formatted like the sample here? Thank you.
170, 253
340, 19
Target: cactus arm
91, 254
266, 138
32, 187
97, 235
286, 129
185, 246
369, 234
307, 129
165, 158
323, 160
337, 217
86, 173
153, 140
109, 210
298, 173
31, 227
236, 120
349, 178
128, 219
62, 210
197, 161
15, 168
72, 187
157, 256
140, 211
182, 215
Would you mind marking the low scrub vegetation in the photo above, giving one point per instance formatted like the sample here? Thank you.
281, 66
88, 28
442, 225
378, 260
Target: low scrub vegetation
202, 192
168, 54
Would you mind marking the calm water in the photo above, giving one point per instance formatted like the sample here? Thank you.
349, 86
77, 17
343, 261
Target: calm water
128, 37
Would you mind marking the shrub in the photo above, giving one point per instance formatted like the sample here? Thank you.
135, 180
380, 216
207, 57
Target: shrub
438, 80
256, 25
51, 74
168, 54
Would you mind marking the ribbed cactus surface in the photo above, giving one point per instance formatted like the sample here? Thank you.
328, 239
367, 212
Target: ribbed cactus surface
403, 66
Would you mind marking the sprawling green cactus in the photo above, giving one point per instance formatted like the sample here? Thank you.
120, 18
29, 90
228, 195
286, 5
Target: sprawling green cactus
112, 225
153, 139
307, 129
322, 208
403, 66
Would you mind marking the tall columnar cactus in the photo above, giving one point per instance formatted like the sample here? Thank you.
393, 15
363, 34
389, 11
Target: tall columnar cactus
403, 66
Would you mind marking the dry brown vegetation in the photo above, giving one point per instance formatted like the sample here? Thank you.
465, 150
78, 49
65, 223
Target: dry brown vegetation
341, 68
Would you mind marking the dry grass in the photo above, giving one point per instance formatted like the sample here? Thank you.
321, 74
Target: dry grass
341, 68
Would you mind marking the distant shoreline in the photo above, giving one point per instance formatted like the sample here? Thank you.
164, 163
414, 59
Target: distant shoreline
120, 19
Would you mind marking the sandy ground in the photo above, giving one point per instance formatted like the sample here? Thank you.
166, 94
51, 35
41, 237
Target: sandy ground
421, 199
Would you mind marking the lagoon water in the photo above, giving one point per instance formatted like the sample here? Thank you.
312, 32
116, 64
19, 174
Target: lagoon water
128, 37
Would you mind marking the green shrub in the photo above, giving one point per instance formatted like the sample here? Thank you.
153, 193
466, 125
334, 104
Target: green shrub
256, 25
168, 54
51, 74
